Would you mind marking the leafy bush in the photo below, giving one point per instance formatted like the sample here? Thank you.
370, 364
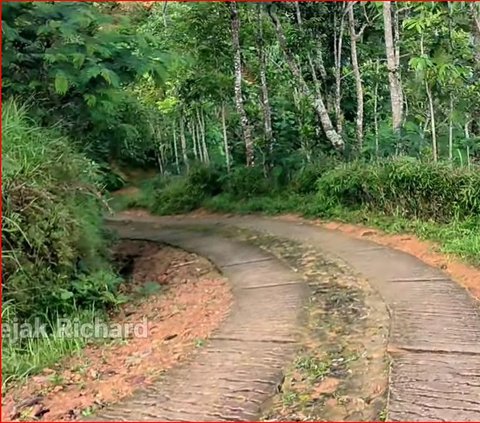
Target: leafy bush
111, 180
182, 194
52, 234
404, 187
79, 61
246, 182
177, 197
305, 180
205, 179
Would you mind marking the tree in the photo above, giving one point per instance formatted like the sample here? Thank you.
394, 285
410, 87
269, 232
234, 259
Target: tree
393, 65
237, 62
303, 88
354, 38
78, 61
267, 113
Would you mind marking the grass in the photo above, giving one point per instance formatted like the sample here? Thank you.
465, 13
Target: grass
28, 356
56, 260
313, 367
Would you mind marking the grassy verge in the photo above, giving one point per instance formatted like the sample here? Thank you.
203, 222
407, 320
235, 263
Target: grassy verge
56, 259
30, 355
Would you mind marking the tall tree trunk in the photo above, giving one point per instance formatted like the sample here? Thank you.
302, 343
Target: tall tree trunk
196, 150
466, 128
337, 51
450, 130
165, 5
432, 120
237, 60
393, 66
201, 125
475, 9
175, 148
183, 142
225, 138
161, 160
267, 113
199, 141
358, 77
318, 104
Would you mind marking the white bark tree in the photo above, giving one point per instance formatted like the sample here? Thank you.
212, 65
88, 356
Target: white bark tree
237, 62
393, 66
317, 100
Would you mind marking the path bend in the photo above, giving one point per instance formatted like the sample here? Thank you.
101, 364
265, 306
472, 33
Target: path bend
241, 366
435, 324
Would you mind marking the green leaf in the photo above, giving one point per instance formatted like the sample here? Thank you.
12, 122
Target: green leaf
78, 59
61, 83
65, 295
110, 77
90, 99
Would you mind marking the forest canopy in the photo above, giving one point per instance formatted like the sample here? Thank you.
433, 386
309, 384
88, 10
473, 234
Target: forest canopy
249, 83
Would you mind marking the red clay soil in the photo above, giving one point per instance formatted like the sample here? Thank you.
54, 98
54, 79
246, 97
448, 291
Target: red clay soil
192, 302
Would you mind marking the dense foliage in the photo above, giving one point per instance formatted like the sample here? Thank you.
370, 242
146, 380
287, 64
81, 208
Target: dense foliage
161, 85
75, 63
54, 251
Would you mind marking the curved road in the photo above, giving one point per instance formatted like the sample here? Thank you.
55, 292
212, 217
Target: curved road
434, 336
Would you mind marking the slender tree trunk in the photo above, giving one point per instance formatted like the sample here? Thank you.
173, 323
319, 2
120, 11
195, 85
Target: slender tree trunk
161, 160
183, 142
393, 66
201, 125
475, 9
267, 114
467, 128
225, 138
375, 117
358, 77
165, 5
318, 104
175, 149
424, 129
159, 150
247, 132
450, 130
337, 49
432, 120
196, 150
199, 141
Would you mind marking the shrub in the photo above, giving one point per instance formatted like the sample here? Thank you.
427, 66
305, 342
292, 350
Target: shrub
404, 187
177, 197
111, 180
246, 182
305, 180
206, 179
52, 234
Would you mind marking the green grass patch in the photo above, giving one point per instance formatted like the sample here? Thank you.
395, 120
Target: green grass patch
26, 356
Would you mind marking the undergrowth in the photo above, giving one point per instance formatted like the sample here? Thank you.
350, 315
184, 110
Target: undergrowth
55, 251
